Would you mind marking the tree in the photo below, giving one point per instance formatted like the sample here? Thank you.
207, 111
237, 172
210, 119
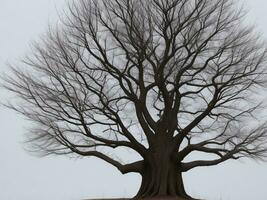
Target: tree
165, 78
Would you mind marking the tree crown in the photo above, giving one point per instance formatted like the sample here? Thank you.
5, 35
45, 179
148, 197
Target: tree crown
143, 75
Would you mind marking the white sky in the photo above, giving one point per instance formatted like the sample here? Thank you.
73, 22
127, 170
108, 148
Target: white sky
25, 177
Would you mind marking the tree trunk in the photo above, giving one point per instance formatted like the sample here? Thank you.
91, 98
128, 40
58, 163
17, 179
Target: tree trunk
161, 176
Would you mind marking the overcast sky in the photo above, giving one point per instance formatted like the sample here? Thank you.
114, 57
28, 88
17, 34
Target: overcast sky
25, 177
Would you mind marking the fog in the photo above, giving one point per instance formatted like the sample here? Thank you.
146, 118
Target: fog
25, 177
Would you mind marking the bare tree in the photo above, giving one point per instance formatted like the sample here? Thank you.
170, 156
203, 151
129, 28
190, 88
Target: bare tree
165, 78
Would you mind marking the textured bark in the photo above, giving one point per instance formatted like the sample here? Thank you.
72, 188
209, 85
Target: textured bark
167, 183
162, 179
161, 174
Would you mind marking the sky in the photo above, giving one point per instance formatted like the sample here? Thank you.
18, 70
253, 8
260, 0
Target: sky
25, 177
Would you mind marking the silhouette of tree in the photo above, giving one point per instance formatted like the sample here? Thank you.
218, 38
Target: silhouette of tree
165, 78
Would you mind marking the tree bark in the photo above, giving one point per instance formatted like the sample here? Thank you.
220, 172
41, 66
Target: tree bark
161, 176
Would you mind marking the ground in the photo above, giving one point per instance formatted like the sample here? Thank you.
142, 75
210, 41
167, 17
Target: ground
155, 198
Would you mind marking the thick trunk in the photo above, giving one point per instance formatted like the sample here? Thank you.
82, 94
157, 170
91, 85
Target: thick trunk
161, 176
